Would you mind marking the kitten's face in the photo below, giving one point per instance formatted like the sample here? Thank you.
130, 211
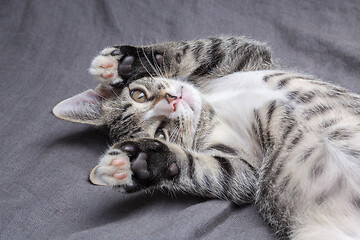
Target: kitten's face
155, 107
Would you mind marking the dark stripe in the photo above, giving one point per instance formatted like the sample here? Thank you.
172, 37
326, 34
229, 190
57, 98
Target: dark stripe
306, 97
255, 131
117, 119
316, 110
196, 50
356, 201
139, 129
125, 133
185, 47
243, 48
178, 58
259, 128
293, 95
269, 115
336, 92
191, 166
301, 97
276, 152
288, 130
243, 61
268, 177
127, 116
278, 170
354, 153
225, 165
284, 183
270, 164
283, 82
223, 148
227, 172
307, 154
124, 125
126, 107
215, 56
249, 165
270, 111
267, 78
340, 134
208, 184
295, 140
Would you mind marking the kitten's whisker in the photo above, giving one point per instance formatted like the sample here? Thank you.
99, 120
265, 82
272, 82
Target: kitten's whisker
156, 63
137, 50
170, 68
174, 132
164, 67
117, 96
151, 65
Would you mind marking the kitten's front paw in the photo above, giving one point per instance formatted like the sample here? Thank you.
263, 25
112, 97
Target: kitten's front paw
114, 169
112, 67
135, 165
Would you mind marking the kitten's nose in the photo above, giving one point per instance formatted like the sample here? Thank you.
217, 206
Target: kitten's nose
170, 98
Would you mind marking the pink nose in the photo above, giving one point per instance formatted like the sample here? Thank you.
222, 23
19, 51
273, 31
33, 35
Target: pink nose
170, 98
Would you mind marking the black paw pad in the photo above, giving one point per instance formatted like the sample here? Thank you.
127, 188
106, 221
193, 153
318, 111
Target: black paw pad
139, 166
125, 66
130, 149
159, 59
173, 170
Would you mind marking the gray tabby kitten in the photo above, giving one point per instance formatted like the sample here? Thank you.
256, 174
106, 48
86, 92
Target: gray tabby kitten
195, 117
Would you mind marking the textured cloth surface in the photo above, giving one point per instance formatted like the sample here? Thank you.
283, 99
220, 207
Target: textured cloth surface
46, 47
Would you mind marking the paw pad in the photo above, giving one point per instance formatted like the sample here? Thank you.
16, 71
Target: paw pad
125, 66
159, 59
130, 149
120, 175
173, 170
118, 162
139, 166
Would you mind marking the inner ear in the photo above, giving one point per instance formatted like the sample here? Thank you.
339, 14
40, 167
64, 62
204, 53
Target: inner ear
86, 107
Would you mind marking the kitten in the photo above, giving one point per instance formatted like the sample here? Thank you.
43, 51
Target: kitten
195, 117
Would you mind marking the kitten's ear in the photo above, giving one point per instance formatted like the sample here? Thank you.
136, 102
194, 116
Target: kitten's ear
86, 107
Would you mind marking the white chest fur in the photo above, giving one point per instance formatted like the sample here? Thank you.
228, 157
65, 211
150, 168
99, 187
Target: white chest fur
234, 99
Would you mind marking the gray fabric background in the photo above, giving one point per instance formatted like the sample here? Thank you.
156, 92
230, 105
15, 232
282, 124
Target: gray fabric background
45, 50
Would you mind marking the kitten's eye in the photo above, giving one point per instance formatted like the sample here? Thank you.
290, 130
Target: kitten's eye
160, 134
138, 95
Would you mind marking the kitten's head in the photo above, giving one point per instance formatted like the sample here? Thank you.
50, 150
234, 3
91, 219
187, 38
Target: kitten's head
149, 107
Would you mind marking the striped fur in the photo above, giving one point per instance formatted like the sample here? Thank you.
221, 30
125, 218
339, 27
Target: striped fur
288, 142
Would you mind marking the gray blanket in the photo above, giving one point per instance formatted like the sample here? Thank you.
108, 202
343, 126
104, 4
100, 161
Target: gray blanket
45, 50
